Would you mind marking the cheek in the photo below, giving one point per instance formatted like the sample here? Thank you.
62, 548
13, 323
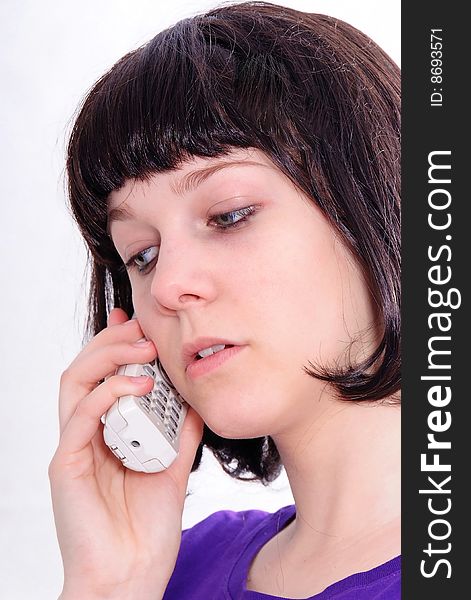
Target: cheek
305, 297
294, 279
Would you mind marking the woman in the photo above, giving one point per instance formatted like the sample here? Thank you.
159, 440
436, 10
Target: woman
236, 180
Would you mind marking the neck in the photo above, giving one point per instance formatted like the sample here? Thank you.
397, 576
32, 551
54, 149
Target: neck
344, 471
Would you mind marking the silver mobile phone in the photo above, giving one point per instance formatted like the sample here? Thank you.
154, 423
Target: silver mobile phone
144, 431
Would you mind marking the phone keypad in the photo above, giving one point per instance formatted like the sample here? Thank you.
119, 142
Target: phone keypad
162, 402
145, 405
149, 370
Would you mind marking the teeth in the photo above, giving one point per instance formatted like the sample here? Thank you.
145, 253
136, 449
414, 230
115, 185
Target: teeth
211, 350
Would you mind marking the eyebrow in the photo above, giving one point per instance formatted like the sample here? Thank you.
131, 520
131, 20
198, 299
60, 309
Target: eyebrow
192, 180
187, 183
119, 214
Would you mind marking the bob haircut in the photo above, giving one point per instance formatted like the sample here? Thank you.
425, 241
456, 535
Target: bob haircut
316, 95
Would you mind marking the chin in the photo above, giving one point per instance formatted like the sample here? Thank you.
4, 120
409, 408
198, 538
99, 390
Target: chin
236, 427
236, 434
242, 411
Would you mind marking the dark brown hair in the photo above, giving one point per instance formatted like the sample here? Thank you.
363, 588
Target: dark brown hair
316, 95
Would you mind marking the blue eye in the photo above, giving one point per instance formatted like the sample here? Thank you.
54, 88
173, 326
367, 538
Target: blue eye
143, 259
233, 218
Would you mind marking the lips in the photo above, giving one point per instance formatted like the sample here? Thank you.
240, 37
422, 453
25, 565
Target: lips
213, 362
190, 350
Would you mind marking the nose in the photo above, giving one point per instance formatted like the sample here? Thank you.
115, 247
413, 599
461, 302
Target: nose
182, 277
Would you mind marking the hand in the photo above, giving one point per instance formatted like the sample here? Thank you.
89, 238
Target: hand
119, 530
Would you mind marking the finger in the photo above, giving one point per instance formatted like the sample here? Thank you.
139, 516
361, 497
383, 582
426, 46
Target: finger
93, 366
128, 331
191, 434
85, 421
117, 316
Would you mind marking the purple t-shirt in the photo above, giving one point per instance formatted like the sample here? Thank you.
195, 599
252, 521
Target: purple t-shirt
215, 556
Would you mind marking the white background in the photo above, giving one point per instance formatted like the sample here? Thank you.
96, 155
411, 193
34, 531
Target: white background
53, 51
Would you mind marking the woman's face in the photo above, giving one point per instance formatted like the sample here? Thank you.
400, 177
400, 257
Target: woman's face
280, 284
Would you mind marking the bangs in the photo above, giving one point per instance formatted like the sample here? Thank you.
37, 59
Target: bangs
191, 91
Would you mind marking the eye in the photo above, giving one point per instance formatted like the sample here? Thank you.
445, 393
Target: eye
143, 259
232, 219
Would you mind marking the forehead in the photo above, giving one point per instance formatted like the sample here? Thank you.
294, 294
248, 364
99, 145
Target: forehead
190, 174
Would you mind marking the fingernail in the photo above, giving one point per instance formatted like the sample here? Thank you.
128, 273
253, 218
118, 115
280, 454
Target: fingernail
141, 343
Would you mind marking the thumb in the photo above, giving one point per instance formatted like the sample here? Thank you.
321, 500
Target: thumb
190, 438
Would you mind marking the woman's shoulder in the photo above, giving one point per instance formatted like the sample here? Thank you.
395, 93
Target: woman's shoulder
225, 525
211, 550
